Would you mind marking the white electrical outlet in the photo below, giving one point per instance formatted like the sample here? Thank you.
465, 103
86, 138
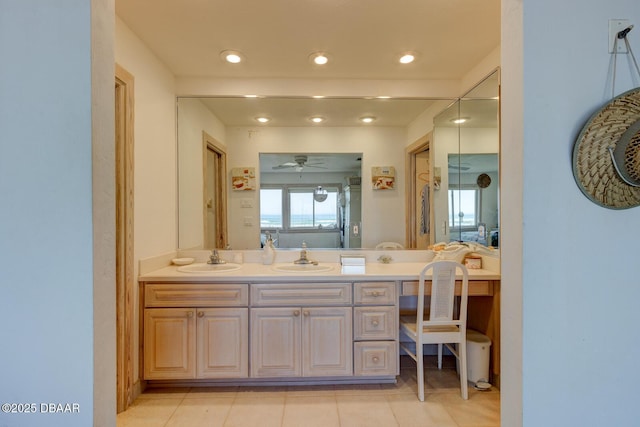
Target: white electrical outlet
615, 26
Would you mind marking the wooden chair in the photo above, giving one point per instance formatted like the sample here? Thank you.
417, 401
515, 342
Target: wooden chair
440, 326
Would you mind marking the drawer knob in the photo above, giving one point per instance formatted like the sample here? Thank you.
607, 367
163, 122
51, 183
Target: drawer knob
296, 313
201, 314
375, 359
375, 293
375, 322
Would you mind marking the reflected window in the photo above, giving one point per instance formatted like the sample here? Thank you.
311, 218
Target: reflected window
271, 208
463, 208
289, 207
306, 212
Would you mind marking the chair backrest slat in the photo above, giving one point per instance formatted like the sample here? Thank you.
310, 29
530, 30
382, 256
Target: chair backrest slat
442, 292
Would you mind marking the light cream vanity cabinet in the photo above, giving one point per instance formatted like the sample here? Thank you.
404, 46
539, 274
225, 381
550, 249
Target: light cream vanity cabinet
195, 331
301, 330
375, 348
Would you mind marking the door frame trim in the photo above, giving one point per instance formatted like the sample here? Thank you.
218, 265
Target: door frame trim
124, 132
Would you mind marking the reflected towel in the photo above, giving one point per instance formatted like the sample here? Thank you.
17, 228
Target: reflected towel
424, 219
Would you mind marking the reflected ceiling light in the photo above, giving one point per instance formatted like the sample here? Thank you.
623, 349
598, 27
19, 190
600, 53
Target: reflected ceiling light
367, 119
407, 58
317, 119
263, 119
459, 120
319, 58
231, 56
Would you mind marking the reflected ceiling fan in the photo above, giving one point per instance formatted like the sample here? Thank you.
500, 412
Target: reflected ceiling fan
299, 163
462, 166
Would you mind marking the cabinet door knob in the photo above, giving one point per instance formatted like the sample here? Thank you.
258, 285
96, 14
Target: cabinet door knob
296, 313
201, 314
306, 312
189, 313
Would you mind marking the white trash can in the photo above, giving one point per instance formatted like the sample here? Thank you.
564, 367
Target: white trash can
478, 354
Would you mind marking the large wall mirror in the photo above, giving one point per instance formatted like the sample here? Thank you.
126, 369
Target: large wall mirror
467, 146
365, 215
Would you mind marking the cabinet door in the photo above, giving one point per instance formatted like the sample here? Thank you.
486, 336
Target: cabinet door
327, 341
169, 343
275, 342
222, 343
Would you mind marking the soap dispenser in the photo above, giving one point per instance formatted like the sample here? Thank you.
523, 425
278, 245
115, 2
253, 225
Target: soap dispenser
269, 251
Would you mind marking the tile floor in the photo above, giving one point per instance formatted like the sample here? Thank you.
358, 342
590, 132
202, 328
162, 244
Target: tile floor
382, 405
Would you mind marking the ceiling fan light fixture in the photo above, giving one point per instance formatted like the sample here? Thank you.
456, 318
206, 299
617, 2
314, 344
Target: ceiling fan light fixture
231, 56
319, 58
320, 194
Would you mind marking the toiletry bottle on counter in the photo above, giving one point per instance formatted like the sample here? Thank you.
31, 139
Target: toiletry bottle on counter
269, 251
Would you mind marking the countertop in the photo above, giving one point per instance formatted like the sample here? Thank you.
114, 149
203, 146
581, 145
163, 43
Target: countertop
257, 272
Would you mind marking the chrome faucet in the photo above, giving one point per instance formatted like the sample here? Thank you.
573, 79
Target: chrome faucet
303, 256
214, 258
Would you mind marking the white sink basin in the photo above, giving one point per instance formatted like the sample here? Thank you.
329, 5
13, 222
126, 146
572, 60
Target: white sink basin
202, 267
302, 268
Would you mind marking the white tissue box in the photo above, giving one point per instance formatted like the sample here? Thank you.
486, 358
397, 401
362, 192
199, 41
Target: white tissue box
350, 260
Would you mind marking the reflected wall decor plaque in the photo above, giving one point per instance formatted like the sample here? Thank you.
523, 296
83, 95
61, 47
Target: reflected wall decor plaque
243, 179
383, 177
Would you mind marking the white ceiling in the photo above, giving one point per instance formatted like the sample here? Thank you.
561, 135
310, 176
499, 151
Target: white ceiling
364, 38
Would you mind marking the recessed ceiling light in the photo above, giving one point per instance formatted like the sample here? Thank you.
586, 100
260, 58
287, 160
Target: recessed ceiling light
367, 119
459, 120
251, 96
383, 97
231, 56
407, 58
319, 58
263, 119
317, 119
318, 96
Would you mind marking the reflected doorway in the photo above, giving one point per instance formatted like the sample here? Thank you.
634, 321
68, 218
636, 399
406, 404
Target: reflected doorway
215, 208
419, 194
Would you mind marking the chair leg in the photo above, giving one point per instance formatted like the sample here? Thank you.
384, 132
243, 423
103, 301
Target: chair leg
462, 356
420, 371
439, 356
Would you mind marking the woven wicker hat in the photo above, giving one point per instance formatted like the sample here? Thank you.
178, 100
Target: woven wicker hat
606, 155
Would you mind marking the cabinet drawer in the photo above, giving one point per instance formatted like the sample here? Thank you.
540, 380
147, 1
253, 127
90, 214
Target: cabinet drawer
375, 323
196, 295
476, 287
375, 293
375, 358
267, 294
